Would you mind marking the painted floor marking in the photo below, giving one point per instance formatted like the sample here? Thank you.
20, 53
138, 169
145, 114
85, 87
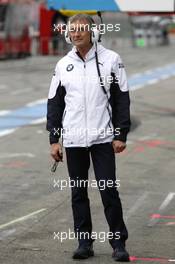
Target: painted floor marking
136, 205
23, 218
35, 112
162, 207
164, 260
14, 155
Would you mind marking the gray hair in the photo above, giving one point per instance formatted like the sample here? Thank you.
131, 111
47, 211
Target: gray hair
77, 17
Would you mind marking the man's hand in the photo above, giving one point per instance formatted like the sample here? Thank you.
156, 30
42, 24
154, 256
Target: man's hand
56, 152
118, 146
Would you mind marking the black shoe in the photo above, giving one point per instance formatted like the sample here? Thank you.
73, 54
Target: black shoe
83, 252
120, 254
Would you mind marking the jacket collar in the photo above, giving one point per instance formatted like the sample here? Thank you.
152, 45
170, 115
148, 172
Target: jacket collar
90, 55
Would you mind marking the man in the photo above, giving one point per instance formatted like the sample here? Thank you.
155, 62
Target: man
81, 104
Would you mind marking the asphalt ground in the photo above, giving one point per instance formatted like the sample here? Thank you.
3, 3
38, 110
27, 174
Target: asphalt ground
32, 207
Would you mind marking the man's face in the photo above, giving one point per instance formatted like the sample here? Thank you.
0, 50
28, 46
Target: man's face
79, 32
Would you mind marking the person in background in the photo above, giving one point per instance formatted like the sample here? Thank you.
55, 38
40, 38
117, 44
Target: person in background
58, 40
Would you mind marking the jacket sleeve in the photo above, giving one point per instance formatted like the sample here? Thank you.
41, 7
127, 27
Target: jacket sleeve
55, 108
120, 101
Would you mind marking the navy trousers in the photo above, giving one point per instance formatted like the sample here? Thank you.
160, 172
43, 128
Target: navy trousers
103, 159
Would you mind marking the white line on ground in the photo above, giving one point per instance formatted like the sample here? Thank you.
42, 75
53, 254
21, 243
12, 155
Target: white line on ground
153, 81
23, 218
7, 132
14, 155
4, 112
38, 121
137, 86
162, 207
40, 101
149, 71
136, 75
136, 205
165, 76
166, 201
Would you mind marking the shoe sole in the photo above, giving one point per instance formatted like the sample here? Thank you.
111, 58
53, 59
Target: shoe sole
122, 258
77, 256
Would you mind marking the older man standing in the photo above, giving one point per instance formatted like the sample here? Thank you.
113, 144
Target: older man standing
81, 104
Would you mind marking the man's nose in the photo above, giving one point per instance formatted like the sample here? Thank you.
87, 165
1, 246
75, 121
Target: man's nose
77, 33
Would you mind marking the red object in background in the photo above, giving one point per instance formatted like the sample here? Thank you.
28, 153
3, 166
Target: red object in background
3, 6
45, 29
2, 48
4, 1
18, 46
11, 46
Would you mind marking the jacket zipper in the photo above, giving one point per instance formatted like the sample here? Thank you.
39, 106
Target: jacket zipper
64, 114
85, 101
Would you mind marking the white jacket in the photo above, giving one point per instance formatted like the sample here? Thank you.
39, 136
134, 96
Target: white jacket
77, 104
